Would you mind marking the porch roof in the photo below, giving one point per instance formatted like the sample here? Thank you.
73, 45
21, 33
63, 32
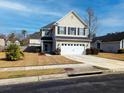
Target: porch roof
46, 38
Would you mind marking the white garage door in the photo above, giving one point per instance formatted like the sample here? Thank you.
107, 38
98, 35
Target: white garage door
72, 50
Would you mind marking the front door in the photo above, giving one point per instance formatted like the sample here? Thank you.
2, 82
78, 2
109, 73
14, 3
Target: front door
47, 47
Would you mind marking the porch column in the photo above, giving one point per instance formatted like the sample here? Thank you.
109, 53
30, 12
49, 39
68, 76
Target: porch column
56, 30
41, 45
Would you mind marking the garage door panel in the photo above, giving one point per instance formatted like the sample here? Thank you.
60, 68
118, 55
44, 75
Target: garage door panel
72, 50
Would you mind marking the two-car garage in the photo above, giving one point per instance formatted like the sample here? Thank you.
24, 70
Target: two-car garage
72, 49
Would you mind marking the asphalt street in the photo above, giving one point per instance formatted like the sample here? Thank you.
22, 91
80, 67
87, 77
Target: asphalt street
113, 83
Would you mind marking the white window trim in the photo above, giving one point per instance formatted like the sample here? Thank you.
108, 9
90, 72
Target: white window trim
56, 33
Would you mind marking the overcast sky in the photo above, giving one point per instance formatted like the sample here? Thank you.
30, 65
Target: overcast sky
31, 15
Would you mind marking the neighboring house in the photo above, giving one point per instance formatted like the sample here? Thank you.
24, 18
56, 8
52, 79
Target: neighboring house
110, 42
70, 34
2, 44
17, 42
35, 42
34, 45
8, 42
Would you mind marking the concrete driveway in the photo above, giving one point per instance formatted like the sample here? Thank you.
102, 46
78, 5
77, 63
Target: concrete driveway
114, 65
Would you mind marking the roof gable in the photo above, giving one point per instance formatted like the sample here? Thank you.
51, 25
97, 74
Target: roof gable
72, 14
81, 21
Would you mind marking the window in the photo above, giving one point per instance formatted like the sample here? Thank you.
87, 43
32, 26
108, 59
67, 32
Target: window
98, 45
62, 44
72, 31
61, 30
46, 32
81, 31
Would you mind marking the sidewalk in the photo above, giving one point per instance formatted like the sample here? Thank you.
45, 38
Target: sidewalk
85, 66
76, 69
114, 65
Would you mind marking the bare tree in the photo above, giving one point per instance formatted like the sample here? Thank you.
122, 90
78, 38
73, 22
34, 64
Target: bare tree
12, 37
91, 20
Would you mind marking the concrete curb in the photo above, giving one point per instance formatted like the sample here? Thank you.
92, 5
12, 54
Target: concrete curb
31, 79
23, 80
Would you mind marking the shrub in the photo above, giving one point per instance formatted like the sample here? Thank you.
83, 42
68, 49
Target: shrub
57, 51
88, 51
92, 51
121, 50
13, 52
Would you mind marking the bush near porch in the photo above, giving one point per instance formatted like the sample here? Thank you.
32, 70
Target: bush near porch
92, 51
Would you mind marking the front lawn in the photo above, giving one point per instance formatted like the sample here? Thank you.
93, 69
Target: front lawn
112, 56
33, 59
27, 73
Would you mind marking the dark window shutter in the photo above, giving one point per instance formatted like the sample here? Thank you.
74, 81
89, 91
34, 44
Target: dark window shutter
64, 30
68, 30
78, 31
75, 32
58, 30
84, 31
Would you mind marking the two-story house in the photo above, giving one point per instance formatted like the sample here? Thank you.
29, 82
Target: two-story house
70, 34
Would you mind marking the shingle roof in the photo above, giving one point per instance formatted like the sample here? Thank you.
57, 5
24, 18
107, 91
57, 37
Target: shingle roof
118, 36
35, 35
49, 25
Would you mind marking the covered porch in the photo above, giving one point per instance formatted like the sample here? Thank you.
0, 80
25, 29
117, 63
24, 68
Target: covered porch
46, 44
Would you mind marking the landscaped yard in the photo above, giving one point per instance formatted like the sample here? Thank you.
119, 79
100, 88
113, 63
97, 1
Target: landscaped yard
33, 59
112, 56
27, 73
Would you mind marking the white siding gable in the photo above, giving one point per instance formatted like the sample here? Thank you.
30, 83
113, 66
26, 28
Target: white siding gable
71, 20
